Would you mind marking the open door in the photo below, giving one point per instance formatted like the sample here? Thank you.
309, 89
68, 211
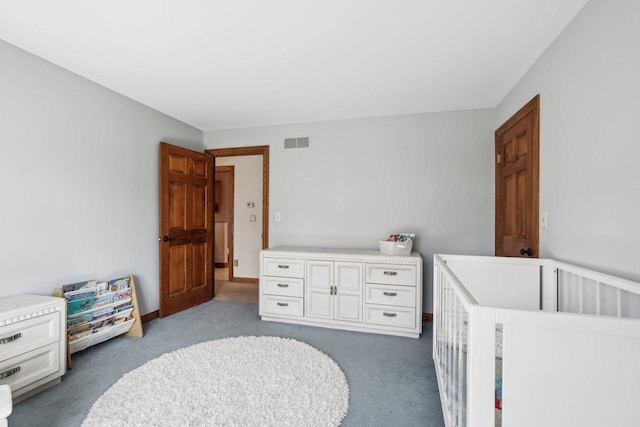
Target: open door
517, 183
186, 228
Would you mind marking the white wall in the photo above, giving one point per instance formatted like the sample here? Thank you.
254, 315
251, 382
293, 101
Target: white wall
431, 174
589, 85
247, 235
78, 180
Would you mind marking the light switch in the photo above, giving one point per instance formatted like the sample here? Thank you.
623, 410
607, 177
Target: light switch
252, 218
277, 216
544, 220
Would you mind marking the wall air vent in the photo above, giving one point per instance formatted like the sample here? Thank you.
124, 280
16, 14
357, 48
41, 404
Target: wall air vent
294, 143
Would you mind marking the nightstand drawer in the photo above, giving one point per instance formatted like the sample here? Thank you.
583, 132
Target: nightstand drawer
391, 274
281, 306
283, 267
404, 296
283, 286
20, 337
30, 367
403, 317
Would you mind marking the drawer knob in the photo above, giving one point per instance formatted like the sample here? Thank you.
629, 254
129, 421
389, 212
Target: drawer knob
11, 338
283, 304
283, 285
389, 314
283, 266
10, 372
390, 273
390, 294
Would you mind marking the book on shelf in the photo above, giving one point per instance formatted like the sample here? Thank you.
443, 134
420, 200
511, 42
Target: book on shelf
119, 284
79, 294
80, 285
124, 307
102, 287
103, 313
80, 319
80, 305
102, 300
79, 328
123, 294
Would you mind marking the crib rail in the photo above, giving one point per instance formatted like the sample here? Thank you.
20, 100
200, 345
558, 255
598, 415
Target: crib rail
565, 356
585, 291
457, 318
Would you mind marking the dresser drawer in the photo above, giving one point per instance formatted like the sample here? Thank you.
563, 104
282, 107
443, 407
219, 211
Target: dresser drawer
21, 337
272, 305
391, 274
27, 368
283, 267
390, 295
403, 317
283, 286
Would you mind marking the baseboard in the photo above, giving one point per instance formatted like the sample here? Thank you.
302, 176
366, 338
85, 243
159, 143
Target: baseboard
245, 280
150, 316
427, 317
221, 265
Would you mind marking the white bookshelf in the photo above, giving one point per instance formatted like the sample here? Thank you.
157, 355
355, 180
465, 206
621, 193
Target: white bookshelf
131, 327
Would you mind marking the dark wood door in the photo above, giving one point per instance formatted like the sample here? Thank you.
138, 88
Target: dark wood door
186, 228
517, 183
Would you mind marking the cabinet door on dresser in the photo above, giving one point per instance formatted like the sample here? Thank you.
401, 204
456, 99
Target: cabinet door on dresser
319, 298
334, 290
348, 291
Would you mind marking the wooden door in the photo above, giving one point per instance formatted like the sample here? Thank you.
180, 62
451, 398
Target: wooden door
517, 183
186, 228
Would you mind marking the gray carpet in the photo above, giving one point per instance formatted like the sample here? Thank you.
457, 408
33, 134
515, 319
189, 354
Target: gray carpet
392, 379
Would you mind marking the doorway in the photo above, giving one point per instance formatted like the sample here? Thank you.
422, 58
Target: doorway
247, 219
223, 217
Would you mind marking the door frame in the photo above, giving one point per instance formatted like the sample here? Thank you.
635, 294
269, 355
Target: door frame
262, 150
532, 107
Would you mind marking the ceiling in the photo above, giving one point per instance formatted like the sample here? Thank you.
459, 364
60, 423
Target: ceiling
240, 63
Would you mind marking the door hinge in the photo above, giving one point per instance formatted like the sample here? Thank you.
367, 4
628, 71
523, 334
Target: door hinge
498, 158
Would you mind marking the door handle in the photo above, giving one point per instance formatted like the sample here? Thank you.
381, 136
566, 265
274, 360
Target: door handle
527, 251
167, 238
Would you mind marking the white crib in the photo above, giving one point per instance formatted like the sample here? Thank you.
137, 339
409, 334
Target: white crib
564, 341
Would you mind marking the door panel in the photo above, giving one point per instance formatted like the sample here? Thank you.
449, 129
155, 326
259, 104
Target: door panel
199, 275
348, 294
177, 206
319, 279
177, 261
199, 210
517, 183
348, 307
186, 228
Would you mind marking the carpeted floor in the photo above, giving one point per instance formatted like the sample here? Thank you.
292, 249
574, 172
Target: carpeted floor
391, 379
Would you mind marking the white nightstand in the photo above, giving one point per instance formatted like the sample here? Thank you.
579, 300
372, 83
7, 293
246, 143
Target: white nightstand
32, 343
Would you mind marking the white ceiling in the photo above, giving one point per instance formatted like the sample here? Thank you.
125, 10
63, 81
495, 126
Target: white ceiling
238, 63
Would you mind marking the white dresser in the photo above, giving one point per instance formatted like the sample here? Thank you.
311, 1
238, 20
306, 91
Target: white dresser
32, 343
358, 290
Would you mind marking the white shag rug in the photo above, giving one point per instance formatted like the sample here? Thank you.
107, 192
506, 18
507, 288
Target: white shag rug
244, 381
